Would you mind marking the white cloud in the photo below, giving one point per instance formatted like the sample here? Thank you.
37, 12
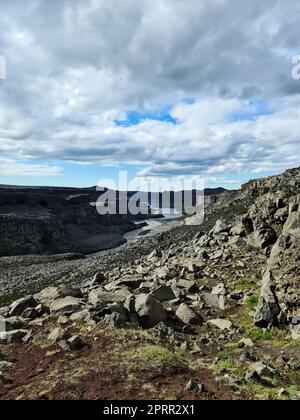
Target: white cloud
13, 168
74, 67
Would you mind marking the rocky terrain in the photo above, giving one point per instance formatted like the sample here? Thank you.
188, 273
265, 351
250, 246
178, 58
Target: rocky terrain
195, 312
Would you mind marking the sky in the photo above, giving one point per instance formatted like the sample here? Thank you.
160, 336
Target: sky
158, 88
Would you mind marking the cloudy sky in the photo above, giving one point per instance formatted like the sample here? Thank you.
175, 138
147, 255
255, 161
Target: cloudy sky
160, 88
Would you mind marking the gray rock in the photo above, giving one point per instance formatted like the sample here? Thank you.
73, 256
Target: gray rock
295, 332
188, 285
245, 357
98, 278
163, 293
67, 291
262, 369
82, 316
188, 316
64, 320
217, 297
258, 370
114, 320
76, 343
130, 283
99, 297
220, 289
66, 306
220, 227
11, 324
154, 254
238, 230
129, 304
47, 296
15, 336
268, 308
32, 313
165, 273
295, 320
252, 375
5, 366
194, 386
64, 345
58, 334
150, 311
246, 342
203, 254
18, 307
222, 324
231, 380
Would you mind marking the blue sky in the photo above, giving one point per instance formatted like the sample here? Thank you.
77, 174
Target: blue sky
136, 117
251, 110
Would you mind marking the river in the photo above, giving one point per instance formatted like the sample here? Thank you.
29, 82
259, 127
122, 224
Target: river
153, 226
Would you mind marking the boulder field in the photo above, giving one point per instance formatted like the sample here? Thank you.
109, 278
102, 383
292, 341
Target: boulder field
216, 307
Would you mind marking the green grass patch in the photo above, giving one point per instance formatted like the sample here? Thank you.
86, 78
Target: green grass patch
226, 363
245, 283
259, 391
290, 390
256, 390
252, 302
275, 337
155, 357
261, 335
242, 319
231, 345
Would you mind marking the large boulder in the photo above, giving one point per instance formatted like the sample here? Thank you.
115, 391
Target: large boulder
57, 335
10, 324
16, 336
188, 316
217, 298
220, 227
18, 307
114, 320
48, 295
163, 293
68, 291
262, 237
150, 311
99, 297
66, 306
98, 278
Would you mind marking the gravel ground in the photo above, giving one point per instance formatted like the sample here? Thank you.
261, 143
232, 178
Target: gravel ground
22, 275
